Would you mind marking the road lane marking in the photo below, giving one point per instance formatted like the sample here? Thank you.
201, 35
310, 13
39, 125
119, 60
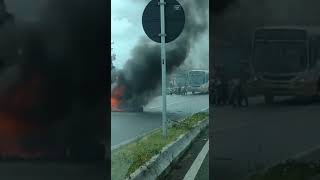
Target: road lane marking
192, 172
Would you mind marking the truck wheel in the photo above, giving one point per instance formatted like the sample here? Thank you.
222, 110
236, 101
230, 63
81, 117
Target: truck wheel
268, 99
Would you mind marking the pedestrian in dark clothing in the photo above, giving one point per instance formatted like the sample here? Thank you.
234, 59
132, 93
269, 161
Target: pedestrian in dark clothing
243, 94
212, 92
235, 99
219, 89
245, 75
224, 92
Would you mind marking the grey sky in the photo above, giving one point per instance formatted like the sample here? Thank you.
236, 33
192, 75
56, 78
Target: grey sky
126, 30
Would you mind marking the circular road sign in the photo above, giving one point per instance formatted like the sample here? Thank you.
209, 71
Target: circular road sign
174, 20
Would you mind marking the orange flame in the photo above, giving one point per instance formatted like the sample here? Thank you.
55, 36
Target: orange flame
116, 95
14, 128
13, 131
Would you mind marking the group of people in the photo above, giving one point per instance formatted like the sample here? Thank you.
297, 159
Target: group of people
233, 92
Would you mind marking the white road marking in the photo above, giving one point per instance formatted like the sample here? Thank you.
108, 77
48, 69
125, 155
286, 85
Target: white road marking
192, 172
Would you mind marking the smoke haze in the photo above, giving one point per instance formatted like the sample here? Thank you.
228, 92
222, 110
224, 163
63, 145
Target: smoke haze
236, 19
63, 64
141, 75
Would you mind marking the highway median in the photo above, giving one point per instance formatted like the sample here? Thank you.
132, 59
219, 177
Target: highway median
151, 155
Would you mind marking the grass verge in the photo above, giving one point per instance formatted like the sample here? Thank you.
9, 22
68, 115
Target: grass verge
129, 158
289, 170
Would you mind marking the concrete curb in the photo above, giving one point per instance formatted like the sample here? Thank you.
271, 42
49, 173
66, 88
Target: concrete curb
159, 164
137, 138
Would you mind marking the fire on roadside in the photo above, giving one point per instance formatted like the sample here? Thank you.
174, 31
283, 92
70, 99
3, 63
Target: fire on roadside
116, 97
15, 127
13, 133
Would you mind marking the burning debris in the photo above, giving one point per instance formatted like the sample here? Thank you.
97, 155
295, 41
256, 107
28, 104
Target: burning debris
117, 94
141, 75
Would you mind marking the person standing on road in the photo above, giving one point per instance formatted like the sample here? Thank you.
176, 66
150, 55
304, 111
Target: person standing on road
235, 98
224, 91
219, 91
245, 75
213, 91
243, 93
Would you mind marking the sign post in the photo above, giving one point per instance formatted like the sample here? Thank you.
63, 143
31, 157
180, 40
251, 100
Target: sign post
163, 68
162, 28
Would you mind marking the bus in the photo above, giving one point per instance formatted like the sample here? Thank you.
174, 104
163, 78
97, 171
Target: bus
285, 61
198, 81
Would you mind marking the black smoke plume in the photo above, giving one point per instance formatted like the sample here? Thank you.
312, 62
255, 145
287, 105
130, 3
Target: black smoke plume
62, 45
141, 75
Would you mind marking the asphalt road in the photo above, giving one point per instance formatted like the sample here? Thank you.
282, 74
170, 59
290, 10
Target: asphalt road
247, 139
128, 125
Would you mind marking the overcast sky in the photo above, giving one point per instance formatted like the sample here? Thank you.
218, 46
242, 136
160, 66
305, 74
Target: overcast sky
126, 27
126, 30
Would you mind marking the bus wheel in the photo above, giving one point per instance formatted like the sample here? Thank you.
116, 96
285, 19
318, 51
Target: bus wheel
268, 99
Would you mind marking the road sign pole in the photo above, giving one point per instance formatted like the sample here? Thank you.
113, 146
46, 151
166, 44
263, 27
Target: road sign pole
152, 23
163, 68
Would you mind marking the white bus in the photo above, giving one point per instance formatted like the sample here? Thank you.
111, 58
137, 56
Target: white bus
286, 62
198, 81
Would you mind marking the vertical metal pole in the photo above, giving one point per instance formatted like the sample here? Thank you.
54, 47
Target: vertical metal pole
163, 68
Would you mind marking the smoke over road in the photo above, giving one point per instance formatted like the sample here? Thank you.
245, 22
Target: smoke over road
56, 77
141, 75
